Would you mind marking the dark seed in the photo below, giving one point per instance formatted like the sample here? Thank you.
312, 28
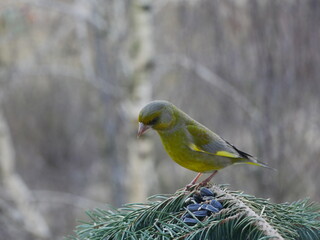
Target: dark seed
193, 207
190, 221
201, 213
206, 192
186, 215
197, 198
216, 204
209, 207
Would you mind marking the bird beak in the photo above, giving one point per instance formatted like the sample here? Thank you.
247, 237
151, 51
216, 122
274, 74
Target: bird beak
142, 129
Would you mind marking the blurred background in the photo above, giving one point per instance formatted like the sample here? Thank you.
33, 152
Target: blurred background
75, 73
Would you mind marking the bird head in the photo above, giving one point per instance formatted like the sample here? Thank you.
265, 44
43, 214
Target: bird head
158, 115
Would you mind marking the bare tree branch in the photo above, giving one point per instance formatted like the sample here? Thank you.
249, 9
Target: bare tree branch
212, 78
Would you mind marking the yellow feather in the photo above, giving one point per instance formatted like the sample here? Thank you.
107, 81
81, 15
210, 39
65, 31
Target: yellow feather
219, 153
195, 148
226, 154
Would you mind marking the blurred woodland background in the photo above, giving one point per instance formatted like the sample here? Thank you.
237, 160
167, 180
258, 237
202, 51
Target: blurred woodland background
75, 73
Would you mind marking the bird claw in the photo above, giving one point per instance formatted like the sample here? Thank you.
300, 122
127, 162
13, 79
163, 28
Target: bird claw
204, 184
190, 187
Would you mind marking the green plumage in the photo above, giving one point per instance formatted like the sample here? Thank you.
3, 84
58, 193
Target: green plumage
188, 142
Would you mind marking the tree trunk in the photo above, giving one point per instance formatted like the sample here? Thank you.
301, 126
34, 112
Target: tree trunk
141, 159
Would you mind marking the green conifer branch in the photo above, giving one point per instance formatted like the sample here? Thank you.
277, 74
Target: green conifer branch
260, 221
242, 217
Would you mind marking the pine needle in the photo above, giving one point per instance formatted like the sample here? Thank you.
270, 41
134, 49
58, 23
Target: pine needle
242, 217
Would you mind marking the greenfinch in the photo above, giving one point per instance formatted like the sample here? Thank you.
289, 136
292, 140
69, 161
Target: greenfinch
189, 143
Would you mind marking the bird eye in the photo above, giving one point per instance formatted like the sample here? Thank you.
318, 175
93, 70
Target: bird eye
153, 121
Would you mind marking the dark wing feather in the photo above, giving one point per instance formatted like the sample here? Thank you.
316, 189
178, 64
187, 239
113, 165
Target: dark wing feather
209, 142
241, 153
206, 141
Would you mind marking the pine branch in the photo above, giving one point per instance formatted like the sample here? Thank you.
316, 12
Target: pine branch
172, 217
261, 223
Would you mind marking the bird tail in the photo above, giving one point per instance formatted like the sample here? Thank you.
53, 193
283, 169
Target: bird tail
257, 163
248, 159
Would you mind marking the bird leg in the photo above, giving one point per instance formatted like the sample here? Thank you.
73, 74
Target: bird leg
208, 179
195, 179
203, 183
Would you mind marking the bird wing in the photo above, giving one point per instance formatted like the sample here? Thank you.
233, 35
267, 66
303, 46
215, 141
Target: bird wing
203, 140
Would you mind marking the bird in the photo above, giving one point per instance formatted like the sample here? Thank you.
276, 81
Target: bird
189, 143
